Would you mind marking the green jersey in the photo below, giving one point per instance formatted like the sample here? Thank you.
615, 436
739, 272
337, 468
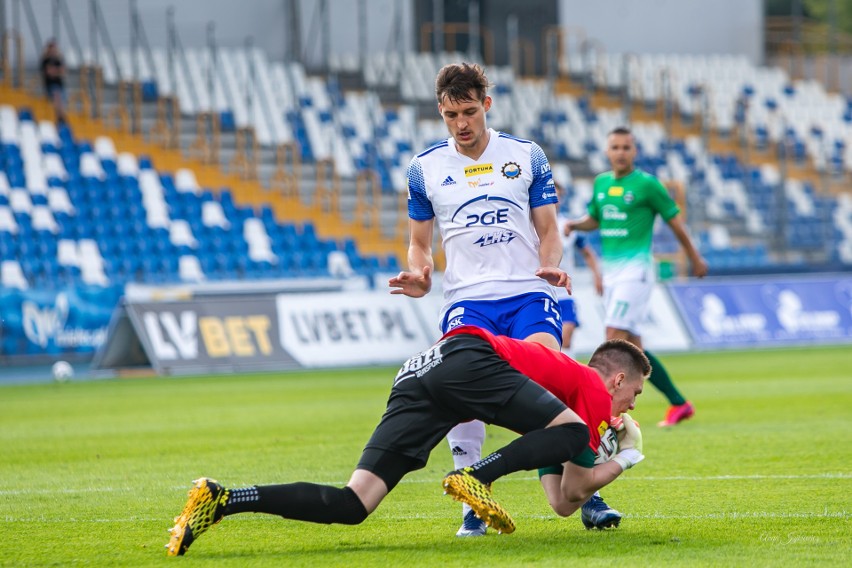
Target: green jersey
625, 209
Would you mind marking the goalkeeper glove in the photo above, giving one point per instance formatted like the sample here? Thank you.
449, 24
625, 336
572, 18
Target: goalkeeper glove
629, 436
627, 458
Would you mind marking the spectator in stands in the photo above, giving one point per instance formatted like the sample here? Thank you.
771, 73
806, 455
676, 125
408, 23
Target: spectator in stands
492, 197
562, 409
572, 241
625, 202
53, 76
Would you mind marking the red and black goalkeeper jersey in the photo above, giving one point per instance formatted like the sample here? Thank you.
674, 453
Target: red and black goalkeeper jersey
577, 385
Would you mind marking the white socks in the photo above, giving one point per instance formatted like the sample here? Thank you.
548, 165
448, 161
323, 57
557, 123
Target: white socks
466, 441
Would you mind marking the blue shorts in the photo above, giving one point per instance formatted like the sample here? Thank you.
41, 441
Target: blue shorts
517, 317
569, 312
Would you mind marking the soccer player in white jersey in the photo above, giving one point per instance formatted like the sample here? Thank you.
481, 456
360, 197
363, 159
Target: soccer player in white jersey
493, 198
573, 241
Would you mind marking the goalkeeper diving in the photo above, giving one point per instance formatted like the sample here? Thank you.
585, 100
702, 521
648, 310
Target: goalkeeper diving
561, 408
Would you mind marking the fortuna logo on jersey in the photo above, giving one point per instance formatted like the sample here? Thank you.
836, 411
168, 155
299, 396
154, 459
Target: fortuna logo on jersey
495, 238
448, 181
478, 170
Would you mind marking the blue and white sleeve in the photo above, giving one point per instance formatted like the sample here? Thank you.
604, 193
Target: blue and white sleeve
419, 206
542, 191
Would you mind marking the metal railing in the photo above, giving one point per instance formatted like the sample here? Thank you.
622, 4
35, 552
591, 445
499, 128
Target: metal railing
809, 49
288, 164
168, 124
139, 45
61, 14
450, 31
16, 71
368, 200
99, 32
12, 42
327, 191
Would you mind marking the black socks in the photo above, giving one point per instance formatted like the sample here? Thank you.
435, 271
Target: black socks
539, 448
299, 501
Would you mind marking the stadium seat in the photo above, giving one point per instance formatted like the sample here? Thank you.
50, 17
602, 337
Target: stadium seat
180, 234
12, 276
190, 269
8, 223
212, 215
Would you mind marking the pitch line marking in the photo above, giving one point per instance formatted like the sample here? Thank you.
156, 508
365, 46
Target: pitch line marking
756, 477
647, 516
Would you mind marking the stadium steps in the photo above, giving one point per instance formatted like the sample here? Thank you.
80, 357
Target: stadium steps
343, 226
246, 192
681, 129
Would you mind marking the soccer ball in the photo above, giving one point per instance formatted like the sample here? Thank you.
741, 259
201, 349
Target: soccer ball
608, 447
62, 371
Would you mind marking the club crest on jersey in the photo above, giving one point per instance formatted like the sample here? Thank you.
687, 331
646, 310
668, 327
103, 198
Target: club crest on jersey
511, 170
448, 181
478, 170
629, 197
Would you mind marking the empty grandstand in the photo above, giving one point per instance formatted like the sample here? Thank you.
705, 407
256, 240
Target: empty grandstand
195, 157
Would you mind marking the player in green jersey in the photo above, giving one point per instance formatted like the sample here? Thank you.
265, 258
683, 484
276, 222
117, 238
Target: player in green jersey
624, 204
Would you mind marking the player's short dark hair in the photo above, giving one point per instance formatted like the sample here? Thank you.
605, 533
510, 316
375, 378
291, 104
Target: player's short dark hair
456, 80
618, 355
620, 130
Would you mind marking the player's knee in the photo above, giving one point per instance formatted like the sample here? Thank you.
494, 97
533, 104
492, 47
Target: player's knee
562, 508
574, 437
345, 506
570, 497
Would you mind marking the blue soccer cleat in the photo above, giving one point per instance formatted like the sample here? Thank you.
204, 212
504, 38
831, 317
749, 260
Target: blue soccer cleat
472, 526
596, 514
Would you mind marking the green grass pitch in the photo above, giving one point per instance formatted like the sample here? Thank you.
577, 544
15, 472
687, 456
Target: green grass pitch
92, 473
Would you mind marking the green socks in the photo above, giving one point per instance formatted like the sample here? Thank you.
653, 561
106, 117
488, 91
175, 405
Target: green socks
660, 379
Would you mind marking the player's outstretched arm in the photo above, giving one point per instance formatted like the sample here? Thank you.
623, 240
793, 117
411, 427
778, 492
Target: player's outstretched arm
699, 265
567, 493
413, 284
555, 276
591, 260
417, 280
550, 247
587, 223
579, 483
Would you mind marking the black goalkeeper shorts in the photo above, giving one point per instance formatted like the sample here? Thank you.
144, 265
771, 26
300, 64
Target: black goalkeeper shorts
459, 379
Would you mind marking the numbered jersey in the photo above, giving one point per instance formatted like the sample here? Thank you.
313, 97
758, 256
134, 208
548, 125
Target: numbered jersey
483, 212
625, 208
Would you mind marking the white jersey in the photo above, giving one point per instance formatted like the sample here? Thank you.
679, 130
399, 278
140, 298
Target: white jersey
483, 211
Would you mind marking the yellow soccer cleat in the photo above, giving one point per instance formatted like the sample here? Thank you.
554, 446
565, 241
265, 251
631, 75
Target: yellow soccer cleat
203, 509
462, 486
